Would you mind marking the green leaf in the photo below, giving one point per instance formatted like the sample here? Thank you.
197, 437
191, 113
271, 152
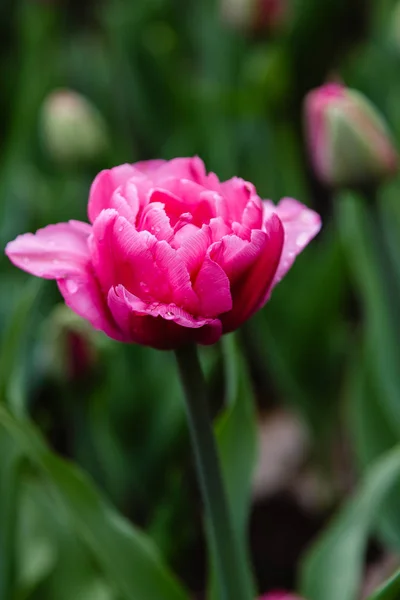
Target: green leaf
35, 544
372, 435
52, 562
127, 559
13, 336
332, 570
389, 590
9, 470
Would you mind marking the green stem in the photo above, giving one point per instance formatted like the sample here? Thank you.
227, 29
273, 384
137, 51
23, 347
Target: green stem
224, 545
385, 261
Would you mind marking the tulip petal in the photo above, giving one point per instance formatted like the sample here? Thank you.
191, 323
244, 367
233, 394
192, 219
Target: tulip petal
253, 213
148, 167
219, 229
184, 233
182, 196
83, 295
161, 326
173, 267
104, 186
155, 220
126, 200
301, 225
194, 248
235, 254
250, 291
236, 193
192, 169
53, 252
148, 268
213, 289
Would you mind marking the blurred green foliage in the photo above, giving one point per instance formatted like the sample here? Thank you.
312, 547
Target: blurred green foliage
171, 78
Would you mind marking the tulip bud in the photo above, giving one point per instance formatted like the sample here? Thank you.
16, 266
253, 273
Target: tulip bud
69, 346
348, 140
72, 128
255, 15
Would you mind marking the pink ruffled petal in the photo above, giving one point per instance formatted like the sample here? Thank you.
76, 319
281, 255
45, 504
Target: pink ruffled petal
301, 225
241, 231
194, 248
125, 207
148, 167
180, 196
148, 268
174, 205
83, 295
155, 220
218, 229
236, 255
101, 249
212, 182
134, 193
105, 185
173, 267
183, 234
192, 169
237, 194
253, 213
159, 326
122, 255
53, 252
213, 289
250, 291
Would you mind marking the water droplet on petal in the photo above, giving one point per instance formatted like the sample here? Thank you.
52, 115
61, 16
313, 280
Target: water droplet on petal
302, 239
169, 315
144, 287
72, 286
120, 228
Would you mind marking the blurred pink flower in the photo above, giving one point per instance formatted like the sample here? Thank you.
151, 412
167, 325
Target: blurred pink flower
255, 15
271, 14
172, 254
349, 142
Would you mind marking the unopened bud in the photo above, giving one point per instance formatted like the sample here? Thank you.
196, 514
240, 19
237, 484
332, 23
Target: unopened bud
348, 140
72, 128
255, 15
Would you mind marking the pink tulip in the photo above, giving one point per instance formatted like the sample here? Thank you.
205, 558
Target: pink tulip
172, 255
348, 140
